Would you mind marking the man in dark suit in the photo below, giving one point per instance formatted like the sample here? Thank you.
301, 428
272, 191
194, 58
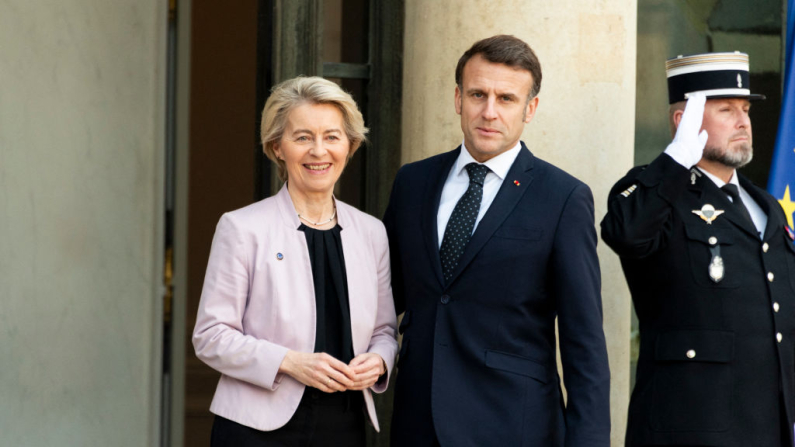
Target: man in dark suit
489, 245
710, 263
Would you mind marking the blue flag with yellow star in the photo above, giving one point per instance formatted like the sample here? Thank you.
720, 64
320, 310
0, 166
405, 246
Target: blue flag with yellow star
782, 171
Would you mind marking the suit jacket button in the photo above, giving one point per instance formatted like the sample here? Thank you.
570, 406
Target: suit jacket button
770, 276
779, 337
765, 247
691, 354
713, 240
776, 307
445, 299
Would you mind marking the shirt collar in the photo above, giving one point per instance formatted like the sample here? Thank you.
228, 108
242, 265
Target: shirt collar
720, 183
499, 165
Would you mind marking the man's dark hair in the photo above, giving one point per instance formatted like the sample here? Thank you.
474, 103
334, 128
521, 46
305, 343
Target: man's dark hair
503, 49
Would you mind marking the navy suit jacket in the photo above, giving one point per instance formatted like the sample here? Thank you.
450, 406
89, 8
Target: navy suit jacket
478, 363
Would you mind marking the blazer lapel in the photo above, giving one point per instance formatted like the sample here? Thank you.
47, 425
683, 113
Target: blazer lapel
433, 195
507, 197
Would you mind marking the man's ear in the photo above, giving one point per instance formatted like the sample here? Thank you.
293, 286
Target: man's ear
458, 100
677, 117
530, 111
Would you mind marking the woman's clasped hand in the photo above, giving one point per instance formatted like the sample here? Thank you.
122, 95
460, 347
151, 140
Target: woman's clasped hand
326, 373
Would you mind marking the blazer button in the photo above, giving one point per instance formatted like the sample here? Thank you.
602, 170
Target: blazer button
776, 307
779, 337
770, 276
691, 354
765, 247
713, 240
445, 299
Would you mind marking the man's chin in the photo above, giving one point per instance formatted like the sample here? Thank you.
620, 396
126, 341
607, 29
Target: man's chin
484, 146
734, 159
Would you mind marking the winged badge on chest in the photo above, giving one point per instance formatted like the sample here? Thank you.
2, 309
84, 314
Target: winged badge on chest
708, 213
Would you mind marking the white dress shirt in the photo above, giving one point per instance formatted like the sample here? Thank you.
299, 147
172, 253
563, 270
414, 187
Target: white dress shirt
458, 181
757, 215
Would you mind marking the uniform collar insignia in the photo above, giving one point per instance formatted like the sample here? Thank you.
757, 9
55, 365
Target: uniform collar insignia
694, 173
708, 213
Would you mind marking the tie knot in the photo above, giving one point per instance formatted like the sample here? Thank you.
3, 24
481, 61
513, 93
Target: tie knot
731, 189
477, 173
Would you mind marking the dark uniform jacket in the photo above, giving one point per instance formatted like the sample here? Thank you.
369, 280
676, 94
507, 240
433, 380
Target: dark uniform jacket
477, 363
716, 364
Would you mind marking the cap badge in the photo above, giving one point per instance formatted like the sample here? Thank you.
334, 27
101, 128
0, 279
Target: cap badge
708, 213
739, 81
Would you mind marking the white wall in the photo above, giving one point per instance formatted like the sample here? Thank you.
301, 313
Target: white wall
585, 119
81, 150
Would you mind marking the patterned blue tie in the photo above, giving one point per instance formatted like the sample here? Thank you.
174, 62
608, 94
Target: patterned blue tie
462, 221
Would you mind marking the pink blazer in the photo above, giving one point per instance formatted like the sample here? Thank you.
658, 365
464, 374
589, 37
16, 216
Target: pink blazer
258, 302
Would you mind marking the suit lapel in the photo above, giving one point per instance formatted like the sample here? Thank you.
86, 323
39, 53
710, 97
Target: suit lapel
504, 203
433, 195
775, 221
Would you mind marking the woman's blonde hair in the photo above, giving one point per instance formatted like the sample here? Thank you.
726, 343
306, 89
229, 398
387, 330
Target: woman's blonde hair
307, 90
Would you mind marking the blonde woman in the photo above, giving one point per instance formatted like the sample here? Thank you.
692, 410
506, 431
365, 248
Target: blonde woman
296, 310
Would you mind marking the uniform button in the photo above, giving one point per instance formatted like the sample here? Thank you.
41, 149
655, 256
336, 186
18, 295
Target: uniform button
691, 354
775, 307
445, 299
713, 240
770, 276
765, 247
779, 337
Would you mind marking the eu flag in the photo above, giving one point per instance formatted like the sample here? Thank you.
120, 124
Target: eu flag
782, 170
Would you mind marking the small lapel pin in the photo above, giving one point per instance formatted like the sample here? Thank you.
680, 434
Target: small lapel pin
708, 213
790, 233
279, 256
516, 182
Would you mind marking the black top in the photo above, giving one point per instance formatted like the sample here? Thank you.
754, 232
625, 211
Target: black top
333, 327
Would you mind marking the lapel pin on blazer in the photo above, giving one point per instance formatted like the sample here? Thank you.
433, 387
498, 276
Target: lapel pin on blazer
790, 233
516, 182
708, 213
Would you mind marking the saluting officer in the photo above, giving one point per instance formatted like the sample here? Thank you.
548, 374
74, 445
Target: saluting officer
710, 263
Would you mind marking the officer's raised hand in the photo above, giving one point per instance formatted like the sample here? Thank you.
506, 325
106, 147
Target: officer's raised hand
688, 144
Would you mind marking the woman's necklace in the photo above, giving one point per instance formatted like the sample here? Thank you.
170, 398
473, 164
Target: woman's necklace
317, 224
